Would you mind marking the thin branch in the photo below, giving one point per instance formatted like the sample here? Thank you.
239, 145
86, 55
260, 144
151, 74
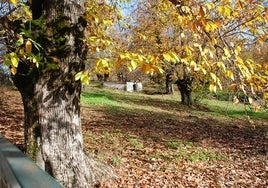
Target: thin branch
243, 23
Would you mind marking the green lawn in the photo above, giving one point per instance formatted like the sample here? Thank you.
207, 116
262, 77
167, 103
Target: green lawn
97, 95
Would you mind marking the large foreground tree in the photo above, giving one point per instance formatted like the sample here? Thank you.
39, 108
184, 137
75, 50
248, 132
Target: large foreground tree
44, 55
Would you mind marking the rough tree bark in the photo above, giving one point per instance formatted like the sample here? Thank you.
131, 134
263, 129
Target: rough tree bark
185, 88
58, 98
24, 81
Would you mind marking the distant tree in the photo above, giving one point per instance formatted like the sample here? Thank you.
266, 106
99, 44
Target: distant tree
203, 42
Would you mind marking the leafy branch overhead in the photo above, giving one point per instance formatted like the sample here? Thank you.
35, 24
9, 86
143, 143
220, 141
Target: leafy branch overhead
211, 40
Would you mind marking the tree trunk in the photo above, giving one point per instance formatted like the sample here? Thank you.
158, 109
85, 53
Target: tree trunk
61, 134
185, 88
24, 81
169, 84
51, 98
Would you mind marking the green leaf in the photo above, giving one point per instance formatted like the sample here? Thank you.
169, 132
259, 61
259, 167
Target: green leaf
78, 75
26, 9
36, 45
2, 32
7, 61
20, 41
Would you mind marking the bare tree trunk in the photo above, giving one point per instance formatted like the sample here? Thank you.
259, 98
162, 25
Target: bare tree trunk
61, 142
24, 81
185, 88
58, 98
61, 135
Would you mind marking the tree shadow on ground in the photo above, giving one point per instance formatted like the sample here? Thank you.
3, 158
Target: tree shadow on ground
201, 130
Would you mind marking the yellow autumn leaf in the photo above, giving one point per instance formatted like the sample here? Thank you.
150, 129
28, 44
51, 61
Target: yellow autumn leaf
229, 74
134, 64
188, 50
261, 40
266, 17
85, 79
204, 71
210, 26
266, 68
220, 64
213, 88
227, 52
225, 11
14, 2
239, 60
213, 76
26, 9
210, 5
167, 57
228, 11
107, 22
219, 84
14, 60
171, 57
175, 57
221, 9
237, 50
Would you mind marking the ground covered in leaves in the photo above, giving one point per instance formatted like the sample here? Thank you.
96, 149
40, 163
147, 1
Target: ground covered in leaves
153, 141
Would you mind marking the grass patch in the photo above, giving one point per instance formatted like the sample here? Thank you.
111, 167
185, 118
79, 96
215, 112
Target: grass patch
173, 144
98, 99
181, 150
227, 108
137, 144
118, 102
116, 160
